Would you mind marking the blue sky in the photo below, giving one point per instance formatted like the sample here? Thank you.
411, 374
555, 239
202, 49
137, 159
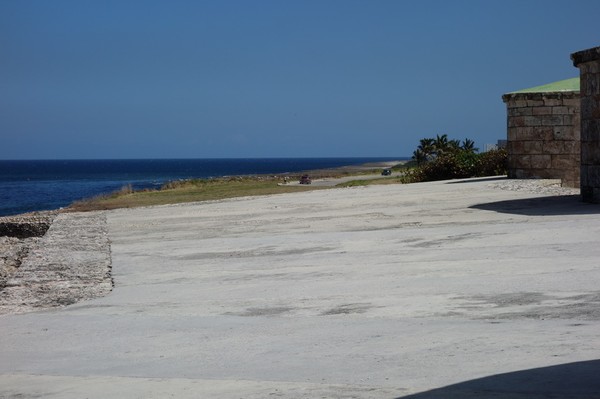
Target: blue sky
314, 78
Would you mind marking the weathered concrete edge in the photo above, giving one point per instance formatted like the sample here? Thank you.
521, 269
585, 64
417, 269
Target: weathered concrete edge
72, 262
33, 224
66, 387
587, 55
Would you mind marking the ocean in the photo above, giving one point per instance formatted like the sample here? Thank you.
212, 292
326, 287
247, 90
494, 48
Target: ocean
27, 186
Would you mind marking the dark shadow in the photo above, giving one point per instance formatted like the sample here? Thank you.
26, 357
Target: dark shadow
478, 179
579, 380
542, 206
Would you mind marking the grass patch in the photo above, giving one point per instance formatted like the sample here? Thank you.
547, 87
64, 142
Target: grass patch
198, 190
371, 182
189, 191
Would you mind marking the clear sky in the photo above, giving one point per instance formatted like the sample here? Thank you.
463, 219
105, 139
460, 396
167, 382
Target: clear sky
283, 78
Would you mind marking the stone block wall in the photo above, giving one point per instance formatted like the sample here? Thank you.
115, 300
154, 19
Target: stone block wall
588, 62
544, 136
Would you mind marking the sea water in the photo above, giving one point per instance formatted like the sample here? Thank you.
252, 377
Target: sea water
51, 184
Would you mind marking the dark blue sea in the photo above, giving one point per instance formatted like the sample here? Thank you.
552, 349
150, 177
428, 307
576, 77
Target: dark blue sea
43, 185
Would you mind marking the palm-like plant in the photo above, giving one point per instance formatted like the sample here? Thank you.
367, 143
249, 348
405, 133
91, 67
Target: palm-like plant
441, 144
419, 156
468, 145
453, 146
426, 144
427, 147
430, 148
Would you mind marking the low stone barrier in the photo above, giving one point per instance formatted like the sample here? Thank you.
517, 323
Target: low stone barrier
70, 263
25, 226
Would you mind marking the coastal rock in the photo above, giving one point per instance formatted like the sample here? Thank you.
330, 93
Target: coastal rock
70, 263
33, 224
17, 236
12, 253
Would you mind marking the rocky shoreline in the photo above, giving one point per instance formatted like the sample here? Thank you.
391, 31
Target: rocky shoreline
34, 224
68, 263
18, 234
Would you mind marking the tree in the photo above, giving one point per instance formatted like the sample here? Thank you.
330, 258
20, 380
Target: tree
468, 146
441, 144
419, 156
453, 146
426, 145
424, 151
433, 148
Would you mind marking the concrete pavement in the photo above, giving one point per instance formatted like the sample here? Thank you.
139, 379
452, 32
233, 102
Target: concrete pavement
431, 290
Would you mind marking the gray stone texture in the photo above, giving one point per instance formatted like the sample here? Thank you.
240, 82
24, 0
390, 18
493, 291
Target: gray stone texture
23, 226
70, 263
588, 62
544, 136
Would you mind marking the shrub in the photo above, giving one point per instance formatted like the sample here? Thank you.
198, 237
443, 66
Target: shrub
459, 165
494, 162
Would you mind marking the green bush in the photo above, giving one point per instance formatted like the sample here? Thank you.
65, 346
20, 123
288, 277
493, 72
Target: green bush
459, 165
493, 163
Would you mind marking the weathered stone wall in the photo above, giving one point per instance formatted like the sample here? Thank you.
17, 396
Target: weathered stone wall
588, 62
544, 136
25, 226
70, 263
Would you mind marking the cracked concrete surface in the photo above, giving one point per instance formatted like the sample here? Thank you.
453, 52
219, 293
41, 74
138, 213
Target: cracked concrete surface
431, 290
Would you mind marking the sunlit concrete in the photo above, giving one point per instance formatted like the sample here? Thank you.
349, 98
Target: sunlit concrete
373, 292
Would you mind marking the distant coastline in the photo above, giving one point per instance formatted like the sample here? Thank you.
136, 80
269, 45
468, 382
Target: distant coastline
38, 185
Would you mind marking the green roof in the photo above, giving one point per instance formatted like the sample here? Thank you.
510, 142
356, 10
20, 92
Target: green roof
562, 85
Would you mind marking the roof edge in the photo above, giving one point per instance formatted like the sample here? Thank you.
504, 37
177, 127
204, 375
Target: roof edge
561, 86
540, 96
583, 56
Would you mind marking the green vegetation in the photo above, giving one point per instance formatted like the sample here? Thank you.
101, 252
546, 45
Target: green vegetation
189, 191
400, 168
371, 182
440, 159
434, 159
216, 189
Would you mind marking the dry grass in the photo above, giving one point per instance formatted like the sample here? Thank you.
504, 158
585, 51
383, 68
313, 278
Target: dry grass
220, 188
188, 191
371, 182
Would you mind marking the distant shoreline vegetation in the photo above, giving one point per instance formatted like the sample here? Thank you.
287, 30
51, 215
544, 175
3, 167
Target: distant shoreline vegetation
38, 185
210, 189
435, 159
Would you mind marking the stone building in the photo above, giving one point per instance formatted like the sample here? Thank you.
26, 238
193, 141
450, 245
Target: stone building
588, 62
544, 132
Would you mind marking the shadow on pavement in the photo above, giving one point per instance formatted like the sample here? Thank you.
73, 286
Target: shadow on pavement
580, 380
477, 179
542, 206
